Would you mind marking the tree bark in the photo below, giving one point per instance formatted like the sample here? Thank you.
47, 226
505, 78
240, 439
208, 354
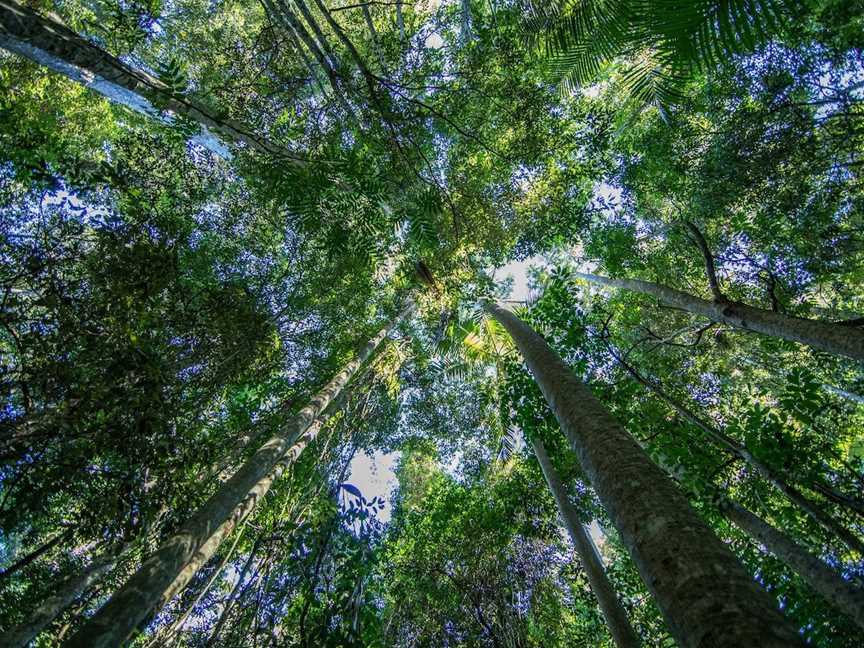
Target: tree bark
173, 565
54, 605
825, 336
616, 617
50, 43
844, 595
705, 595
773, 477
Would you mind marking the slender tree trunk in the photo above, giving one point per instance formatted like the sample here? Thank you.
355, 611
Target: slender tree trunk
34, 555
54, 605
52, 44
705, 595
173, 565
825, 336
166, 634
233, 596
845, 596
616, 617
400, 20
773, 477
837, 391
465, 34
298, 31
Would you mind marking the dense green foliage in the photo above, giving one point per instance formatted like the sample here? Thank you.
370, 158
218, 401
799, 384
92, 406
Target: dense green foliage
165, 310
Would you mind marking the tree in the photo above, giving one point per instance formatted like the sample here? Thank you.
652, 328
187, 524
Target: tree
680, 560
827, 336
613, 612
169, 570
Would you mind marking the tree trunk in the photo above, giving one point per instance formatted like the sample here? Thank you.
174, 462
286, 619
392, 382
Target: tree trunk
233, 596
705, 595
844, 595
54, 605
616, 617
166, 633
809, 507
34, 555
173, 565
825, 336
50, 43
400, 20
465, 34
857, 398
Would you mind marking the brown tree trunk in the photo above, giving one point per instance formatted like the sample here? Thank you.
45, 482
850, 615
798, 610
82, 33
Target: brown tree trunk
616, 617
173, 565
50, 43
825, 336
845, 596
706, 596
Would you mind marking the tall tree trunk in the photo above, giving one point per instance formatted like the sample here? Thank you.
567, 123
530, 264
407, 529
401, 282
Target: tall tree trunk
400, 20
705, 595
773, 477
858, 398
34, 555
173, 565
616, 617
844, 595
233, 596
166, 633
465, 34
50, 43
825, 336
54, 605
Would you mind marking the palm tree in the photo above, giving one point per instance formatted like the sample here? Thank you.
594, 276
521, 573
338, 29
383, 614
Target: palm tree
665, 41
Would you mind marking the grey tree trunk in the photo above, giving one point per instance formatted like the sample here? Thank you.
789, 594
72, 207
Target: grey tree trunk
845, 596
173, 565
707, 598
616, 617
825, 336
54, 605
773, 477
50, 43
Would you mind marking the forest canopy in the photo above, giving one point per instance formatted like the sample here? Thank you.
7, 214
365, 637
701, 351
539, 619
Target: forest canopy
246, 245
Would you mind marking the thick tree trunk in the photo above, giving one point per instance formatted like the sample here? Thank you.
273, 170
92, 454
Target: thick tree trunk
616, 617
773, 477
844, 595
52, 44
825, 336
54, 605
704, 593
173, 565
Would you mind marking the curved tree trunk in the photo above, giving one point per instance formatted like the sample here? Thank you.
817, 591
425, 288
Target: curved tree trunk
616, 617
773, 477
54, 605
706, 596
173, 565
825, 336
50, 43
844, 595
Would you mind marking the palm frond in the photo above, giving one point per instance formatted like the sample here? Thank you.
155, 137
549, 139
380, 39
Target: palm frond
666, 41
